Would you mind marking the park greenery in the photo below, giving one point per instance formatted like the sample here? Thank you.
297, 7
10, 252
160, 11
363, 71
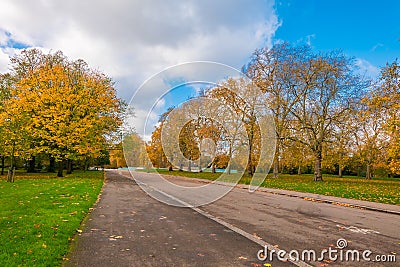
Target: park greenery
44, 216
55, 113
329, 116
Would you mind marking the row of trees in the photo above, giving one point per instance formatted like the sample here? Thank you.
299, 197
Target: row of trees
56, 108
323, 108
328, 116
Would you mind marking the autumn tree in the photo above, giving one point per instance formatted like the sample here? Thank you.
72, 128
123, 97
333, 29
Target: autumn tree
154, 149
343, 140
370, 137
198, 130
201, 136
275, 71
327, 89
211, 135
5, 88
15, 137
67, 108
246, 101
308, 93
387, 98
6, 81
117, 157
133, 147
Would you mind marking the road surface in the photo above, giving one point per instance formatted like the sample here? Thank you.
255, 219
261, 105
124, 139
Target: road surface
129, 228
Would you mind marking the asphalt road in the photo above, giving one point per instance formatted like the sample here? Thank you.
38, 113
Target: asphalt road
130, 228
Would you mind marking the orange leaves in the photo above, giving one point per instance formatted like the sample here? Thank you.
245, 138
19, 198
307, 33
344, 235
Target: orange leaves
62, 107
382, 135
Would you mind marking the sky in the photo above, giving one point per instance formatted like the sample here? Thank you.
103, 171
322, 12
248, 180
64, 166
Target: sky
133, 41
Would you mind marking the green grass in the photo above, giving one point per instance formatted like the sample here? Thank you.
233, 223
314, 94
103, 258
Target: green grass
382, 190
40, 214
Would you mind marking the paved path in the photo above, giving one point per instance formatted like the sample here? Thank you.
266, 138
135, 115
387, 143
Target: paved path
129, 228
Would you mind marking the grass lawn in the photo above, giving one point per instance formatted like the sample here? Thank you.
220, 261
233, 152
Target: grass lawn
40, 214
382, 190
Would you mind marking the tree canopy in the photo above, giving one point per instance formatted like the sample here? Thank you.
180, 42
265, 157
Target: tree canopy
58, 107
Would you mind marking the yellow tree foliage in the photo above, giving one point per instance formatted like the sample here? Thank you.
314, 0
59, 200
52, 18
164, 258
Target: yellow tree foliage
387, 98
68, 109
134, 150
227, 92
155, 151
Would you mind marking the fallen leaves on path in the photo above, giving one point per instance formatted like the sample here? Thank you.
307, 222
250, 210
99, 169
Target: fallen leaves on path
256, 236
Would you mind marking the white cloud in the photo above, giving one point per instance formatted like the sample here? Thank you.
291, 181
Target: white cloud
375, 47
132, 40
366, 68
309, 38
3, 61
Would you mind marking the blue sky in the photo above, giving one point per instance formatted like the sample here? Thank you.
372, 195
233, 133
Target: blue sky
369, 30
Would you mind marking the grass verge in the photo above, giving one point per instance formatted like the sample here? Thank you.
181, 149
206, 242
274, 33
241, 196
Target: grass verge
40, 215
382, 190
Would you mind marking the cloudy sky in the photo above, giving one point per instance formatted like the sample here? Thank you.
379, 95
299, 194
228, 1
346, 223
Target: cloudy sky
131, 40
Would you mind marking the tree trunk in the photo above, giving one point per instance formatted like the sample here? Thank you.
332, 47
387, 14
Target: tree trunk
60, 168
52, 165
170, 168
69, 166
86, 167
11, 171
250, 164
230, 159
31, 164
190, 166
299, 170
277, 159
213, 168
318, 166
368, 174
11, 175
276, 166
199, 167
252, 168
3, 158
340, 175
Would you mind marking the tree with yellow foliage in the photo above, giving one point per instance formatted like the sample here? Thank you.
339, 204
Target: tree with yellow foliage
5, 85
387, 98
66, 108
275, 71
